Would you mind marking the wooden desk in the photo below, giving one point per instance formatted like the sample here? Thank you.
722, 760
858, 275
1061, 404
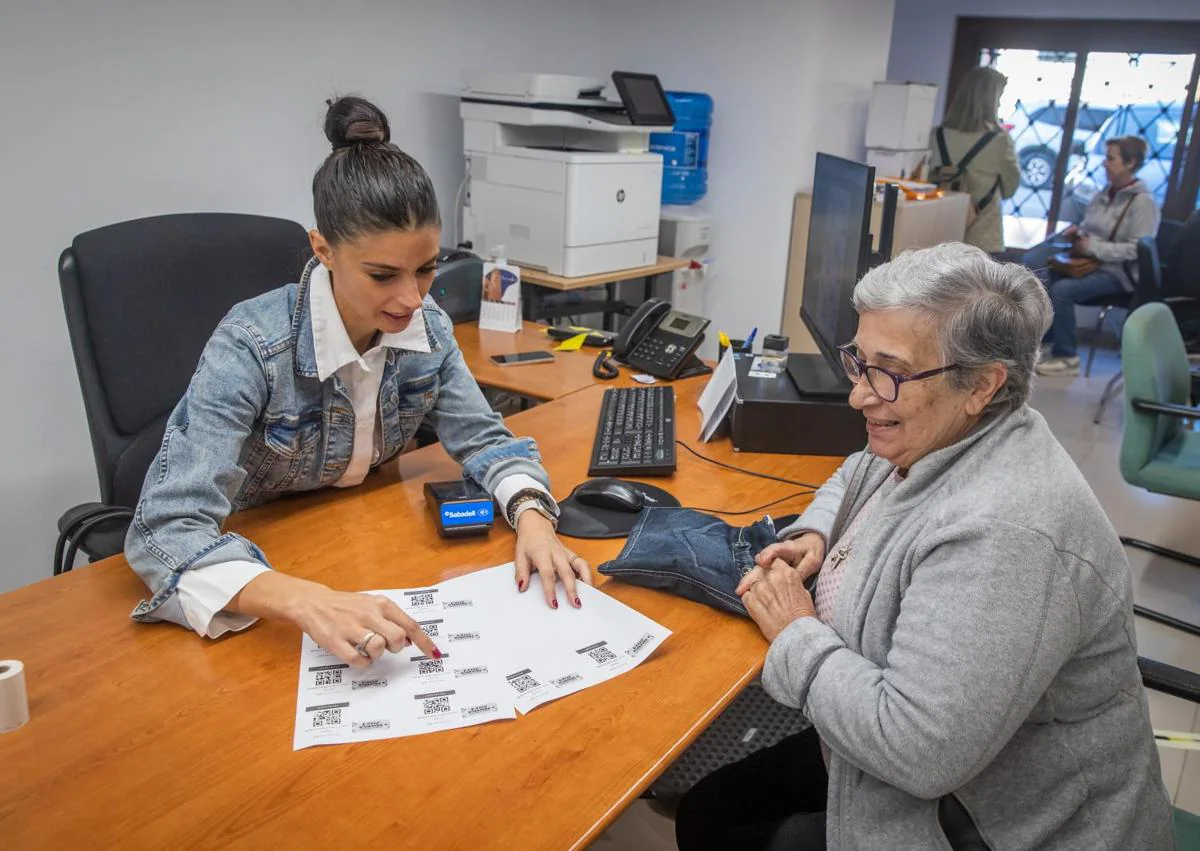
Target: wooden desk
557, 282
569, 373
610, 306
150, 737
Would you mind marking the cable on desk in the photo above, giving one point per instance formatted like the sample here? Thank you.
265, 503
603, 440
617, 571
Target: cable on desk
754, 510
747, 472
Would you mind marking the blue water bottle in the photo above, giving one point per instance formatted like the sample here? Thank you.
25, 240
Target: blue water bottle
685, 149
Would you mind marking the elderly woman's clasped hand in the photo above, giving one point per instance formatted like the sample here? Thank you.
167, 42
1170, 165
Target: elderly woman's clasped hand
773, 592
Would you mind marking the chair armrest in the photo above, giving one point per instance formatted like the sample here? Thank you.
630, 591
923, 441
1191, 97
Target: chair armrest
1168, 679
1165, 408
96, 528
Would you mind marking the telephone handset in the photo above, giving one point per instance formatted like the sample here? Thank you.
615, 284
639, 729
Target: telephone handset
658, 339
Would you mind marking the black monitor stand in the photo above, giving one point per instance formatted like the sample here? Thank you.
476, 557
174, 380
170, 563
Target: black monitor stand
812, 376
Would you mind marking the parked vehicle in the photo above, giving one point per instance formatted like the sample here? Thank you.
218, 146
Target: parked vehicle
1037, 131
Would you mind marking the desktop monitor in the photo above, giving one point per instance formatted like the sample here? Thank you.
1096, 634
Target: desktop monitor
839, 243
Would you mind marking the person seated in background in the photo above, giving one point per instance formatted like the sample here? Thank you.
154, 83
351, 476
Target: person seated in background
967, 660
1115, 219
313, 385
991, 174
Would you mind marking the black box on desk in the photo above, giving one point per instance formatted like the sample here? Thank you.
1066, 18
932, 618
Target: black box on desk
772, 415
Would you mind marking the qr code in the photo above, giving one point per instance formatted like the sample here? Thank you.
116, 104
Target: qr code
432, 666
435, 705
422, 599
523, 683
431, 629
602, 655
327, 718
328, 678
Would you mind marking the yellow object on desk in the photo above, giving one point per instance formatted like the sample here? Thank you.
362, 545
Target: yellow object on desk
572, 344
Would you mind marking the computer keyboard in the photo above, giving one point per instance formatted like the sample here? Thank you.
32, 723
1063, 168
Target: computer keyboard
636, 433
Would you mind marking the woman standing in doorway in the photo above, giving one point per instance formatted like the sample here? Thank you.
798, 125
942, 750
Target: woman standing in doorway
971, 143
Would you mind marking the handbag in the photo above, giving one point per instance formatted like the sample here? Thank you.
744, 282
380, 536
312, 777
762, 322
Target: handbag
1072, 265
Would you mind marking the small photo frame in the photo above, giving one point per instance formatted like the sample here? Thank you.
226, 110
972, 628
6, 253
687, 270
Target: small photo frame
500, 305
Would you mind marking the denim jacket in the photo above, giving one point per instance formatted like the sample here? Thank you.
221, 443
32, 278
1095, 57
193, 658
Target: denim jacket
256, 422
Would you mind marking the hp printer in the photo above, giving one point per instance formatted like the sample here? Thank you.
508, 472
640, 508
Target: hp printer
560, 176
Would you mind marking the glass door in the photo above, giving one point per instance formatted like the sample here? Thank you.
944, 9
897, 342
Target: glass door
1074, 84
1150, 92
1034, 112
1087, 99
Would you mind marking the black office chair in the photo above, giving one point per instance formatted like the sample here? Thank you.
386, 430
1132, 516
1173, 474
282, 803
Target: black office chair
1168, 271
141, 300
1107, 304
1181, 280
1142, 293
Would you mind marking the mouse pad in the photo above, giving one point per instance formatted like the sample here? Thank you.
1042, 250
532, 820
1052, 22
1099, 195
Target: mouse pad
588, 521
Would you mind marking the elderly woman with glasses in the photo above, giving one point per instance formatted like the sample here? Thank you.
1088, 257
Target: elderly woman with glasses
966, 657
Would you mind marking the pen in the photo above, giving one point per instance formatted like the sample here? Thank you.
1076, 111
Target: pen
748, 345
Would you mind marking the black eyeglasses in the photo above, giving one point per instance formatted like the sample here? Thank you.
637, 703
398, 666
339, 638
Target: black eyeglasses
883, 382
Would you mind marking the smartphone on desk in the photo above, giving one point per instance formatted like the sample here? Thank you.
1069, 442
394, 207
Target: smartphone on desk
522, 358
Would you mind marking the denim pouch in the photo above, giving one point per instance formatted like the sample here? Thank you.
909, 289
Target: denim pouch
692, 554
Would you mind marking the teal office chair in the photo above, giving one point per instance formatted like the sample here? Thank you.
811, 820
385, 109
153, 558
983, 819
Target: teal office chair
1160, 449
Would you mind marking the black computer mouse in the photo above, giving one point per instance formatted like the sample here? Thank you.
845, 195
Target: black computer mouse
613, 494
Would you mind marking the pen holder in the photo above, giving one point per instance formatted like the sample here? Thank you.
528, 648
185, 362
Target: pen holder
721, 349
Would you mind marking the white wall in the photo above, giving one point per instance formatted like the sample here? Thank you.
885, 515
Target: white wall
117, 110
923, 37
788, 78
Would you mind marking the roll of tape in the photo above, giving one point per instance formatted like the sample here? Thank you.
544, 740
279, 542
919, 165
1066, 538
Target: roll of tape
14, 703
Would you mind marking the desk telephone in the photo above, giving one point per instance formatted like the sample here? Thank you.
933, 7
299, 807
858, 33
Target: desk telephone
661, 341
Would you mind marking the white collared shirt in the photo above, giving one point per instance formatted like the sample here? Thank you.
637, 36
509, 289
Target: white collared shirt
360, 374
204, 592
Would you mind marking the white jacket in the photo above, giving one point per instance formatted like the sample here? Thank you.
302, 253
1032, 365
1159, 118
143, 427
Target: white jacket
1119, 253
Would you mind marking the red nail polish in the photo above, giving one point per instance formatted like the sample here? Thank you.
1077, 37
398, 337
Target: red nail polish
554, 604
520, 584
577, 603
437, 654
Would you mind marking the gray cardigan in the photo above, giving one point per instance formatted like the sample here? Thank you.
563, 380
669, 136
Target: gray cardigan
1119, 255
983, 646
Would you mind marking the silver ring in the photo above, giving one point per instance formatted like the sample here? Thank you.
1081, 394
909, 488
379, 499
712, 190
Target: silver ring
361, 647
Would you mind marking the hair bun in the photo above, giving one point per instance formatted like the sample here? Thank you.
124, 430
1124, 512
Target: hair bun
353, 120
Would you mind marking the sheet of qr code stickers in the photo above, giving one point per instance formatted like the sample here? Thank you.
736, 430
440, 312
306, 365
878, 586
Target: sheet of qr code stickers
502, 652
